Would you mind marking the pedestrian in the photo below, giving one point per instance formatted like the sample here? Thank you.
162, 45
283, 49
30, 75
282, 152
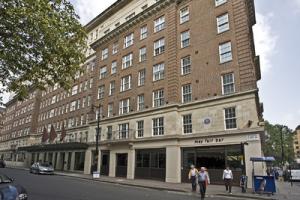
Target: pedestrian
193, 173
203, 181
227, 177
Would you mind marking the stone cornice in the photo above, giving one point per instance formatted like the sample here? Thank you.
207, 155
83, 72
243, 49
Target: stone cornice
155, 8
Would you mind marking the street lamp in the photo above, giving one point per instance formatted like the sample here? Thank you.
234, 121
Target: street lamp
92, 112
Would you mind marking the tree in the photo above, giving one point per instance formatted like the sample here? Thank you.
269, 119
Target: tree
41, 43
274, 143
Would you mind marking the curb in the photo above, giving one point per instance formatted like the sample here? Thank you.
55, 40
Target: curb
247, 196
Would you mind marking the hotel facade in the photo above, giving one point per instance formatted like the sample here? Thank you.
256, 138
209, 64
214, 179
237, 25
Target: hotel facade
174, 83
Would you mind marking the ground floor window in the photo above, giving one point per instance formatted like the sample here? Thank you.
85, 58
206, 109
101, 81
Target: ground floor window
79, 161
150, 164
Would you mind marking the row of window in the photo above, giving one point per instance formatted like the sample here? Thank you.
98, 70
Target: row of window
158, 125
64, 109
159, 97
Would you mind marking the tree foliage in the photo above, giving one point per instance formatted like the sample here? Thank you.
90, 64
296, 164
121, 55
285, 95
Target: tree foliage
41, 43
273, 143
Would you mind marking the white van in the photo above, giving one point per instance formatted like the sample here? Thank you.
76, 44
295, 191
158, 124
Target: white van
295, 173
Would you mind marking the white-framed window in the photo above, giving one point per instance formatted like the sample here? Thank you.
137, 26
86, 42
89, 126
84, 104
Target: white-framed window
110, 110
141, 78
220, 2
228, 84
124, 106
186, 65
83, 102
91, 83
185, 39
103, 72
159, 47
158, 126
74, 89
125, 83
101, 92
143, 54
127, 61
89, 100
141, 102
109, 132
128, 40
140, 128
230, 118
159, 24
225, 52
73, 106
123, 131
78, 103
112, 87
223, 23
104, 53
114, 67
115, 48
187, 124
158, 71
186, 93
184, 15
144, 32
158, 98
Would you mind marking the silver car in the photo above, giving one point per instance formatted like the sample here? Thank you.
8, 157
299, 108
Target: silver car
41, 168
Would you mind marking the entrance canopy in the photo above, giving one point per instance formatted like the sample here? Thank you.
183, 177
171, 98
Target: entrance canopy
55, 147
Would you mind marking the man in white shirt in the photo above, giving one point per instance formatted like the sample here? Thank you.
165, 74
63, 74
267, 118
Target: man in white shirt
227, 177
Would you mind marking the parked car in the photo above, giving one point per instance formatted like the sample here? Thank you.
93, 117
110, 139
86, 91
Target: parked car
41, 168
10, 190
2, 164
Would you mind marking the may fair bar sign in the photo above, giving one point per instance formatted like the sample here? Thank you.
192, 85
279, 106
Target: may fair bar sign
209, 140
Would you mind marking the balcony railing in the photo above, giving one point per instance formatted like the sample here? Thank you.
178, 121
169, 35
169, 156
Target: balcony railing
119, 135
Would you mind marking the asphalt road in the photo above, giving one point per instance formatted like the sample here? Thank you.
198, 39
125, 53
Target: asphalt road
45, 187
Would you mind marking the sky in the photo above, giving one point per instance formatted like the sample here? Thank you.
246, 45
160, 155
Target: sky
277, 43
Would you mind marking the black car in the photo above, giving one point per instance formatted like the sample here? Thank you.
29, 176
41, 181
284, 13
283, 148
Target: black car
11, 191
2, 164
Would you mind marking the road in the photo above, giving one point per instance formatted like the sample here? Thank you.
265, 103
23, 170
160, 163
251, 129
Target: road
43, 187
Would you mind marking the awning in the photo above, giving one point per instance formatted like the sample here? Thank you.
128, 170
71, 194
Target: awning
262, 159
55, 147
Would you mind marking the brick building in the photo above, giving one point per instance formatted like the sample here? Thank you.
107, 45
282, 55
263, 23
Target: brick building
297, 144
19, 127
176, 84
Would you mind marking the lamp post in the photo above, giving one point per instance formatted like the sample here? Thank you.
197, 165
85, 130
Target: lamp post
92, 112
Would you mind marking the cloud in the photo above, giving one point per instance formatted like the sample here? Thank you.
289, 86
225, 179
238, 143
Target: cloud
265, 40
297, 4
88, 9
292, 119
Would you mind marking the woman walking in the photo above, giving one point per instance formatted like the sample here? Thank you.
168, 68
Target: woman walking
193, 173
227, 177
203, 180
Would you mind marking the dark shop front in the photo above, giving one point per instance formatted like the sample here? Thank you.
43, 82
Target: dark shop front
215, 159
151, 164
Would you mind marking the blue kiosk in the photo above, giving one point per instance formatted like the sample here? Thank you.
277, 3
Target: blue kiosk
263, 184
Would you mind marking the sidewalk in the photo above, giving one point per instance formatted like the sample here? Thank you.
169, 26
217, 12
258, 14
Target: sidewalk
212, 191
286, 191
